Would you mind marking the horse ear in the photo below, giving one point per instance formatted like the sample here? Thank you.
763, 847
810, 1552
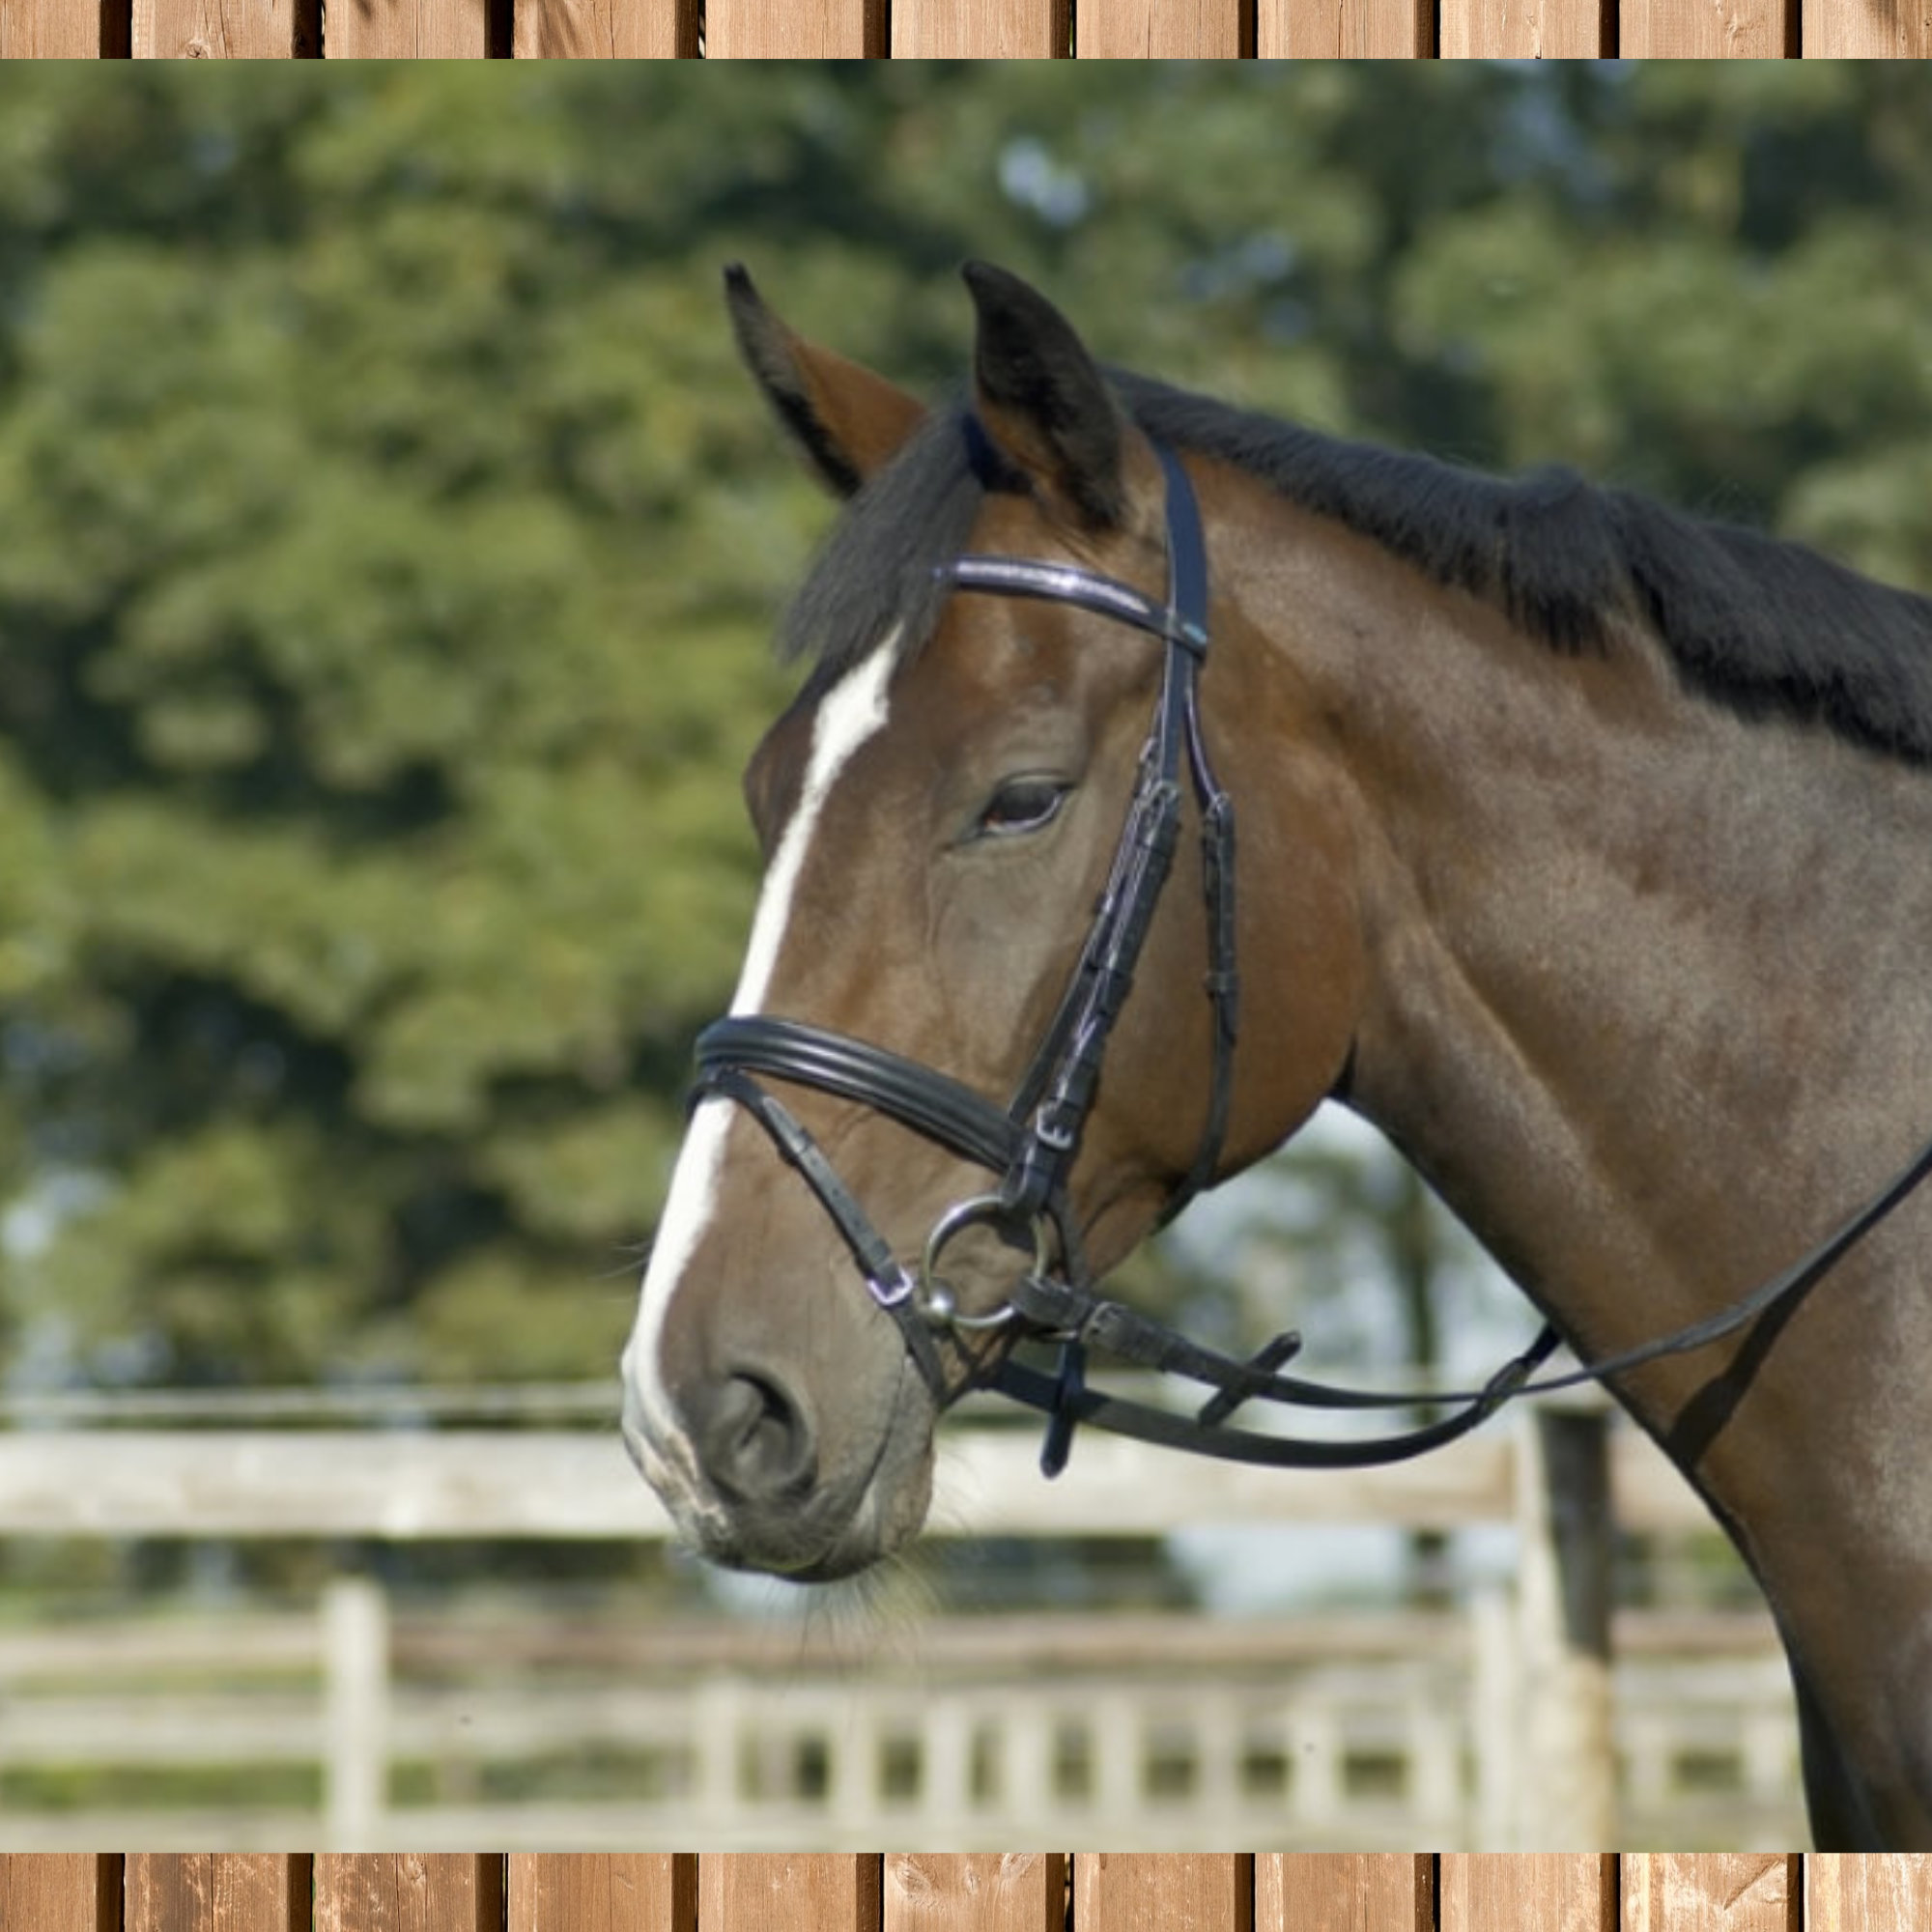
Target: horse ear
848, 422
1042, 399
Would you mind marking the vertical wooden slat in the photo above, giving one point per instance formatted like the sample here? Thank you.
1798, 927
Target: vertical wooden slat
1158, 1891
604, 29
979, 29
1346, 29
1846, 1892
794, 29
405, 30
1565, 1735
63, 29
1554, 1891
1157, 30
60, 1892
355, 1708
1702, 30
975, 1891
1343, 1891
1527, 29
1868, 29
441, 1892
226, 29
603, 1891
216, 1892
1711, 1892
780, 1892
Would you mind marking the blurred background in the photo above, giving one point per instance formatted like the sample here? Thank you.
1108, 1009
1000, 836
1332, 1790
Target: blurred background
390, 547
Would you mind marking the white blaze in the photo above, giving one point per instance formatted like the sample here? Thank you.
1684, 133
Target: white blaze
849, 714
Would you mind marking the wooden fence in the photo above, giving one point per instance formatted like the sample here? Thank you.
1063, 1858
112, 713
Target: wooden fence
1579, 1743
997, 29
559, 1733
1088, 1892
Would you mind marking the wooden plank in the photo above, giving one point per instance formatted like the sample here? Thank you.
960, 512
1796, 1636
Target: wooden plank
1711, 1892
1347, 29
239, 1726
1164, 1892
355, 1708
406, 29
216, 1892
60, 1892
1565, 1729
226, 29
1528, 29
1845, 1891
999, 1644
975, 1891
262, 1482
561, 1484
1554, 1891
1343, 1891
604, 30
780, 1892
603, 1891
1157, 30
979, 29
1868, 29
429, 1892
1704, 30
63, 29
795, 29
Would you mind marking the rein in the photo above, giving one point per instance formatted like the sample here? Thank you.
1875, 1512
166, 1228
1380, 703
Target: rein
1032, 1143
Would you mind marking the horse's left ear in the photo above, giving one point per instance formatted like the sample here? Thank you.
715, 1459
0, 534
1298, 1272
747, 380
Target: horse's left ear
1042, 399
847, 421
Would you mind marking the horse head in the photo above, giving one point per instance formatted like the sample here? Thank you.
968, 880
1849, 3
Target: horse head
941, 810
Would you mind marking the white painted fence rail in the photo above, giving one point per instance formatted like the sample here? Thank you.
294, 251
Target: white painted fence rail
563, 1484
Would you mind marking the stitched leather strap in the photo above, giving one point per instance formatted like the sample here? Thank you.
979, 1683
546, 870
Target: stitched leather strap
929, 1103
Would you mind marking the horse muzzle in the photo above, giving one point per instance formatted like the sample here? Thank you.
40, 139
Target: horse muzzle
755, 1479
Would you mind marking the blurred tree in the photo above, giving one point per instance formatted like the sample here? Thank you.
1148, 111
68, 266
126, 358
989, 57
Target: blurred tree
390, 544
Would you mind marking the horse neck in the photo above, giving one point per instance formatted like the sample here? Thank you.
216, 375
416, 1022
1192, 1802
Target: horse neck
1644, 993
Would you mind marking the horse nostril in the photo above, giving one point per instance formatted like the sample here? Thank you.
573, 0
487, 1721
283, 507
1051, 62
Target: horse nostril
755, 1440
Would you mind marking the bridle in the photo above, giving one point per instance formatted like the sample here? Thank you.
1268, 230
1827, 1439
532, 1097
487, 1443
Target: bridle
1033, 1142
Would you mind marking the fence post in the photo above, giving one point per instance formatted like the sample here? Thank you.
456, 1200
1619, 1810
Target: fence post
1563, 1513
718, 1708
1494, 1702
355, 1692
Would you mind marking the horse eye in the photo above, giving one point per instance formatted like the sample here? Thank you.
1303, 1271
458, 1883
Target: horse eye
1023, 804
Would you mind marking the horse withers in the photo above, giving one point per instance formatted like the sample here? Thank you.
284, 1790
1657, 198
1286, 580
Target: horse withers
1582, 849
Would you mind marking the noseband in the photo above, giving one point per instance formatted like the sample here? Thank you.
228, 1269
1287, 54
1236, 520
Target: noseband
1032, 1143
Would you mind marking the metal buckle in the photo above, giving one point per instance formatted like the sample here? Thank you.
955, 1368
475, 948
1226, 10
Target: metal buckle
892, 1293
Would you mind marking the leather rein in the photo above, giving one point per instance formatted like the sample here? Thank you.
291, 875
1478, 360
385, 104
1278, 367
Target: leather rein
1032, 1143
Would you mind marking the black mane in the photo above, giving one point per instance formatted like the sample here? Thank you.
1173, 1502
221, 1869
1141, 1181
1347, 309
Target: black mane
1767, 629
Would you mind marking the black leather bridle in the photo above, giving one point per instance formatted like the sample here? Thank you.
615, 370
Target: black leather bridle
1032, 1143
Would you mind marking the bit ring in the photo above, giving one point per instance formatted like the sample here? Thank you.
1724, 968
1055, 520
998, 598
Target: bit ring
935, 1299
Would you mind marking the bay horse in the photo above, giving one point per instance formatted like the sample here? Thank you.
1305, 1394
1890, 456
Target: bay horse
1585, 849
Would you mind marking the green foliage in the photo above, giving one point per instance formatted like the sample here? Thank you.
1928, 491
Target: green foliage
390, 544
236, 1788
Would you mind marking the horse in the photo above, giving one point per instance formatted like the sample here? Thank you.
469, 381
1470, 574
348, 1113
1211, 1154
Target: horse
1583, 850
